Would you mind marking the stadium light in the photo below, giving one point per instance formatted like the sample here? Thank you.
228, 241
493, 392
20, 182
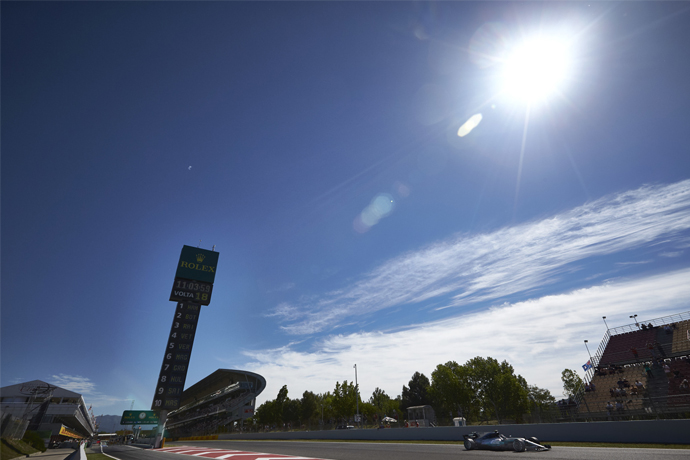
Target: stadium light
607, 326
357, 397
591, 363
590, 354
634, 317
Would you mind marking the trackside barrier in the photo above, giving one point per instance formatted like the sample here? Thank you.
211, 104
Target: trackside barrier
199, 438
637, 431
78, 454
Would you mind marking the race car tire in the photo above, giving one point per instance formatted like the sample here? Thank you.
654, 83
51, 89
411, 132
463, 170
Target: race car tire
533, 439
518, 445
469, 444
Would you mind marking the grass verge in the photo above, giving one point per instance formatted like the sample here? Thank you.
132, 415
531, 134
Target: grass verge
13, 449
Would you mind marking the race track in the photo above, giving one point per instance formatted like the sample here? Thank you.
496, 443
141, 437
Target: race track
258, 450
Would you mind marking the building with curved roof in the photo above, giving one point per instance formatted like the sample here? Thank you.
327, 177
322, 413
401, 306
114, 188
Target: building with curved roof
222, 398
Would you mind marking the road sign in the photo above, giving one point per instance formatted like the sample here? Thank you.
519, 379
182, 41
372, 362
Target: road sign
142, 417
191, 291
178, 351
197, 264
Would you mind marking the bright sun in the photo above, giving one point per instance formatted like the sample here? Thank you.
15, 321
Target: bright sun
536, 70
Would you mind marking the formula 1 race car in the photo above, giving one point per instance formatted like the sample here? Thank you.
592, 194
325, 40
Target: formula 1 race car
496, 441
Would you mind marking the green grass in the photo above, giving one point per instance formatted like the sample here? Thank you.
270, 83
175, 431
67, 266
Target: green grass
13, 449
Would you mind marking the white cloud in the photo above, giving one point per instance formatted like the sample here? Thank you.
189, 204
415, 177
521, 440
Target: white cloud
539, 337
486, 267
85, 387
74, 383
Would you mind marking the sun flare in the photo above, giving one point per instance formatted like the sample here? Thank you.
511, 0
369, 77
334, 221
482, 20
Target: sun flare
536, 69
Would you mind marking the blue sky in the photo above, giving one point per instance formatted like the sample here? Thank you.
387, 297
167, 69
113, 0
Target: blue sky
316, 145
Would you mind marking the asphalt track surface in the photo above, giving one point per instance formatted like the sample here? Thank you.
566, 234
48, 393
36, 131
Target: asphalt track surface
382, 451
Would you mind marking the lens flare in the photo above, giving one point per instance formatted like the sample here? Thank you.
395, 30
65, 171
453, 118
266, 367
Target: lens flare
381, 206
469, 125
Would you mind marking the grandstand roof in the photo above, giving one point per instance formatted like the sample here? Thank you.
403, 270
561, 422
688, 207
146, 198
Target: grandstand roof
221, 379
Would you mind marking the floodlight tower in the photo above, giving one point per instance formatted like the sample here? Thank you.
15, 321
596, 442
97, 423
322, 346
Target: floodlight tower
357, 396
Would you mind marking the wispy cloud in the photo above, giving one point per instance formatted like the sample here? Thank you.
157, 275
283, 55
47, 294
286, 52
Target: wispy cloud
85, 387
74, 383
473, 268
640, 262
539, 337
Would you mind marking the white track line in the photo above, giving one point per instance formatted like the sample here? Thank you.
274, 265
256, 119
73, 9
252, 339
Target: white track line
107, 454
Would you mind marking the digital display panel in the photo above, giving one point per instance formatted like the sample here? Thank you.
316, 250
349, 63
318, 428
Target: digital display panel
185, 290
178, 351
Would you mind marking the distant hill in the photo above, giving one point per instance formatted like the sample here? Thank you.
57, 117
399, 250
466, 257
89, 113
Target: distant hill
110, 423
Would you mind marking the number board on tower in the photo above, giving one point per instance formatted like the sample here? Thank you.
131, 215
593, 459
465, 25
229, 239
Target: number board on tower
185, 290
178, 351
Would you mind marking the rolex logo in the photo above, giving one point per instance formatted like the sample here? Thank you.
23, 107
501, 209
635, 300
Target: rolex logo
200, 258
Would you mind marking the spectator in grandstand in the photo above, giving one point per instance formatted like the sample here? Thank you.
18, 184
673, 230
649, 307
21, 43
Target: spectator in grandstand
650, 326
639, 385
650, 347
684, 386
667, 371
601, 371
620, 383
634, 352
619, 407
668, 329
644, 328
612, 392
633, 391
648, 370
609, 408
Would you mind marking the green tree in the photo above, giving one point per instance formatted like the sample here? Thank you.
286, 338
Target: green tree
379, 399
271, 412
344, 401
571, 382
502, 394
451, 391
540, 400
267, 414
417, 394
311, 411
292, 412
282, 395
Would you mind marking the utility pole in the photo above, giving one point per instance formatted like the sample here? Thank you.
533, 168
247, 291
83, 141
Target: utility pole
357, 397
131, 406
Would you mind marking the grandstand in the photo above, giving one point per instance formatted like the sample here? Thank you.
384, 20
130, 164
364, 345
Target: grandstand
654, 354
222, 398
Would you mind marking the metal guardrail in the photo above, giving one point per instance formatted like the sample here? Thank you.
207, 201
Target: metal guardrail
664, 320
